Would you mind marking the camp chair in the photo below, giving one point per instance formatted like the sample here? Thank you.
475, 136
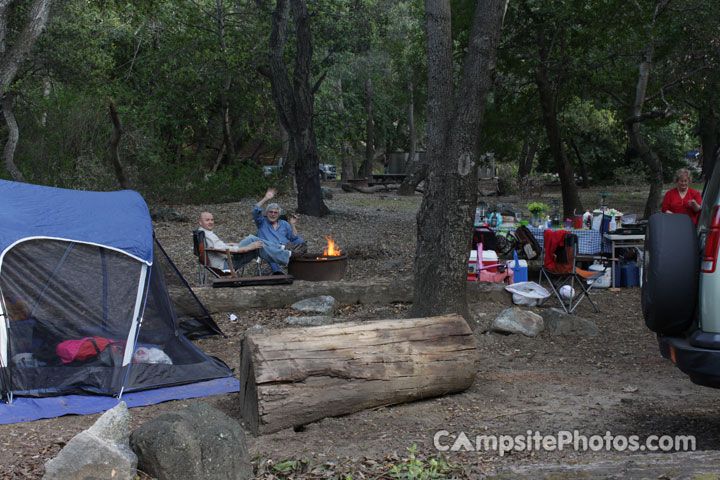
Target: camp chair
204, 267
560, 269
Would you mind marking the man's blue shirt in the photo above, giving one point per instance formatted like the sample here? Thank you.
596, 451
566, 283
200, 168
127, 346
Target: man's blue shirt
282, 235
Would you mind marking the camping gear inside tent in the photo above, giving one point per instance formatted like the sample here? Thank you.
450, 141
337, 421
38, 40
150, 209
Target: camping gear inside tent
85, 309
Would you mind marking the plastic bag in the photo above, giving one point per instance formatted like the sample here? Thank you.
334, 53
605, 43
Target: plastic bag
528, 293
150, 355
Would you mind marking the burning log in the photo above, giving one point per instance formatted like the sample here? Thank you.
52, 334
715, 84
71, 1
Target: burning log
297, 376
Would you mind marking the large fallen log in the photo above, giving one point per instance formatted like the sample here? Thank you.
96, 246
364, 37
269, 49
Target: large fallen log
297, 376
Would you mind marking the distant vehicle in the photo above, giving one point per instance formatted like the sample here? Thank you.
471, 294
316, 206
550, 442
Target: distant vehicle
328, 171
269, 170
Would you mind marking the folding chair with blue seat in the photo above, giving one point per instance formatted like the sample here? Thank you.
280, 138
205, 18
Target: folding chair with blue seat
560, 270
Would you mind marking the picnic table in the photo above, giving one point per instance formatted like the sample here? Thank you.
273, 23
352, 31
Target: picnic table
590, 242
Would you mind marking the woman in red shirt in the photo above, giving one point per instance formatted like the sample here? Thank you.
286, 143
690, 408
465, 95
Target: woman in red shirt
682, 198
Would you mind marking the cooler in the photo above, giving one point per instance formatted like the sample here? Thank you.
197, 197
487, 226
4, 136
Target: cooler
520, 270
489, 258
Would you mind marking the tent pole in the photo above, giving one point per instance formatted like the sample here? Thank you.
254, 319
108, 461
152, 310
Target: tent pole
138, 312
4, 366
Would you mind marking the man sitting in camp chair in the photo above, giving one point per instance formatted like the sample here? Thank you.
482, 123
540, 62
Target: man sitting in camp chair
275, 231
251, 243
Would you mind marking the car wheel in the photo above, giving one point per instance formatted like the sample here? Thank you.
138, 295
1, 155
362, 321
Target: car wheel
671, 270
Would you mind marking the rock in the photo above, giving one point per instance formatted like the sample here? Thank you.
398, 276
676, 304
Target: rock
322, 304
517, 320
558, 322
102, 451
311, 321
198, 442
327, 194
257, 328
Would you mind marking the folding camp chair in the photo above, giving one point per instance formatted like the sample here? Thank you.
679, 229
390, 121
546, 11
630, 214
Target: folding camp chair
204, 267
560, 270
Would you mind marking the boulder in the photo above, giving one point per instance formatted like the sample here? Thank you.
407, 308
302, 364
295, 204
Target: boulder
558, 322
517, 320
198, 442
102, 451
324, 304
310, 321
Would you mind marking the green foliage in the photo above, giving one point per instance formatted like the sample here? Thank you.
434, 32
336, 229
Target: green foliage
538, 208
416, 468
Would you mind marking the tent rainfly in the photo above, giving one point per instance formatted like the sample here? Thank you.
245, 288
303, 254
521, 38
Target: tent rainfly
84, 300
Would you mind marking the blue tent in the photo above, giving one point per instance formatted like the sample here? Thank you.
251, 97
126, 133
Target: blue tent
84, 298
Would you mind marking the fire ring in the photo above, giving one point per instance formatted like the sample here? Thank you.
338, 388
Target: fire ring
318, 268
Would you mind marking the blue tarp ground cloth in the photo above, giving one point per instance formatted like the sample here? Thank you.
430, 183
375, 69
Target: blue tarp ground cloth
118, 220
25, 409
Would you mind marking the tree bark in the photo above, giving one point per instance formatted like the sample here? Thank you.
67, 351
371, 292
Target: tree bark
294, 102
298, 376
13, 137
581, 162
548, 104
412, 134
634, 120
10, 61
114, 146
709, 132
36, 21
445, 219
227, 82
527, 157
411, 182
367, 166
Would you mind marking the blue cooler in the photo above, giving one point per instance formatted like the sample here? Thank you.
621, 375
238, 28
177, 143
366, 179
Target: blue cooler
627, 275
520, 269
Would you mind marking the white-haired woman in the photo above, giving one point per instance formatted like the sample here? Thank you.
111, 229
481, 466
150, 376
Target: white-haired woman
682, 198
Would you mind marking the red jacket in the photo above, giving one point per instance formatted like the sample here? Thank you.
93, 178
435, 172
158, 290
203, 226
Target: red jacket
672, 202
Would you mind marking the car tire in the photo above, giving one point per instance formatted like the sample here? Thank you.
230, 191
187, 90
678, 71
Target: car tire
671, 271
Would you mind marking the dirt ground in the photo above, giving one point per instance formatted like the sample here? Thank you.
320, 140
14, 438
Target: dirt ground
615, 381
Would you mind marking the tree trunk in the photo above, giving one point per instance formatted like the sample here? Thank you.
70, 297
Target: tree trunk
13, 137
709, 132
548, 104
632, 123
446, 215
114, 146
581, 162
10, 63
637, 141
411, 182
227, 82
527, 156
297, 376
294, 102
367, 166
412, 134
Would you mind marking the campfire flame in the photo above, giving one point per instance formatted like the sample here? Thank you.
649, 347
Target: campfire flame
331, 250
